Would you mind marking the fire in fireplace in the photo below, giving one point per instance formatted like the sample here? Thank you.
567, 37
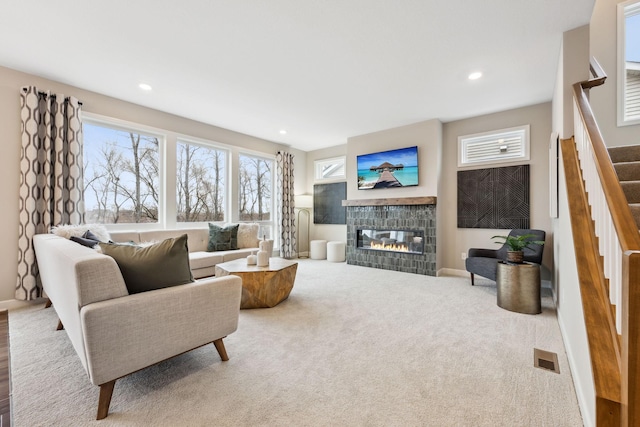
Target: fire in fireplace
405, 241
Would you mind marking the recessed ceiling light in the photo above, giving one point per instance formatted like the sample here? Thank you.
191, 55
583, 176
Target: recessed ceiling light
144, 86
283, 132
475, 76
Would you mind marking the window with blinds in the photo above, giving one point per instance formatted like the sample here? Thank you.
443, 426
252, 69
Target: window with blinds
504, 145
632, 92
628, 102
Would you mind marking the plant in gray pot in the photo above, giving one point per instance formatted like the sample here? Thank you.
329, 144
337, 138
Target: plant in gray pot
516, 245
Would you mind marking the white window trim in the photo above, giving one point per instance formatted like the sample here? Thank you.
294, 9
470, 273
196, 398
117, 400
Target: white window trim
184, 139
633, 9
168, 141
127, 126
317, 172
466, 139
275, 215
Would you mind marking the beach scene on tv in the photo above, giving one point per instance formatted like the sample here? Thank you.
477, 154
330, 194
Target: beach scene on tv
388, 169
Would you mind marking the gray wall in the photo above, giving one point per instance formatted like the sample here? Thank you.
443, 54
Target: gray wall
10, 83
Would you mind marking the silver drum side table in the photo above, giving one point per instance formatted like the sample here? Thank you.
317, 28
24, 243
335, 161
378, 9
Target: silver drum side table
519, 287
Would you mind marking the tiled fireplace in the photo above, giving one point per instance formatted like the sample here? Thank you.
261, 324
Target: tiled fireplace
393, 234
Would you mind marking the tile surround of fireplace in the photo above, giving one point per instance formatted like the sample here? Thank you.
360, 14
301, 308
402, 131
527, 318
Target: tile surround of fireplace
393, 215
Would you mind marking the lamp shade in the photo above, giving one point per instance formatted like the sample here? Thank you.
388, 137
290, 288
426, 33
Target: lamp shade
303, 201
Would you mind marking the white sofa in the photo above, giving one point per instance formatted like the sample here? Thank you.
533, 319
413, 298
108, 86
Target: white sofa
202, 263
115, 333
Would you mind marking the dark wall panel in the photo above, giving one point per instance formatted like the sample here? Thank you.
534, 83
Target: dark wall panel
327, 203
494, 198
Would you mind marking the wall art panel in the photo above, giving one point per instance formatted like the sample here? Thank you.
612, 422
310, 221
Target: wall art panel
494, 198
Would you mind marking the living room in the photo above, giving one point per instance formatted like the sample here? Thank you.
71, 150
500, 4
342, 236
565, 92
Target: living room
437, 141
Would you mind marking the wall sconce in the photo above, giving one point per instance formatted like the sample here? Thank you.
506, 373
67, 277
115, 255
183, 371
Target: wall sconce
303, 203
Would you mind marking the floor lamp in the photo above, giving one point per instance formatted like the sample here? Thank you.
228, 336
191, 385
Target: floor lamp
303, 203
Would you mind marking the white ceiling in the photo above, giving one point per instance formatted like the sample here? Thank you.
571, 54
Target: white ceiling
323, 70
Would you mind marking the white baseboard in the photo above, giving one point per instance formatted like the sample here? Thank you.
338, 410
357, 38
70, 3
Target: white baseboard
583, 403
12, 304
452, 272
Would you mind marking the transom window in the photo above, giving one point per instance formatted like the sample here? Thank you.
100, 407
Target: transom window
504, 145
330, 169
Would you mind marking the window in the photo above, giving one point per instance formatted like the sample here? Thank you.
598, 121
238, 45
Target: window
330, 169
160, 179
121, 174
629, 63
505, 145
255, 203
200, 182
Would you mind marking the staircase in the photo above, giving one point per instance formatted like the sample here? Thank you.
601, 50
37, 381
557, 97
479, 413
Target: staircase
626, 161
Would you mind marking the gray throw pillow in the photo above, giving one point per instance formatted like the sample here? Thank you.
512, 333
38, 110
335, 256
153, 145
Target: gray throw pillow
223, 238
152, 267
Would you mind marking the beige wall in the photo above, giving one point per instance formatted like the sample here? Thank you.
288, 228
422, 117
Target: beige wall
456, 241
426, 135
326, 232
10, 83
437, 144
573, 67
603, 46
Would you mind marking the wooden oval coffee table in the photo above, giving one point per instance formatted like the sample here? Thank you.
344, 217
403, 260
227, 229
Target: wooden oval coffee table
262, 286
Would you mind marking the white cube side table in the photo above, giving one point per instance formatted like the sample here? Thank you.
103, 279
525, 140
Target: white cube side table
336, 251
318, 249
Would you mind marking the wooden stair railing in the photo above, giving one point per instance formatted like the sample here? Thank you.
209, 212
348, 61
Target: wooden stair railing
609, 275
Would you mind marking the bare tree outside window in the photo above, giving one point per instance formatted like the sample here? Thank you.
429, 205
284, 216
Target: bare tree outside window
200, 183
121, 170
255, 188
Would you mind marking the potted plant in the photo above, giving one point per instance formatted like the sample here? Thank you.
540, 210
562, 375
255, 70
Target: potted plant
516, 245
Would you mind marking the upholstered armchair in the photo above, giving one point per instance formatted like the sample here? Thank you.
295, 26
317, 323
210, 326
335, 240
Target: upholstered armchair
483, 262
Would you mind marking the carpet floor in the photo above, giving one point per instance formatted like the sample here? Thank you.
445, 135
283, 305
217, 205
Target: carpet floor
351, 346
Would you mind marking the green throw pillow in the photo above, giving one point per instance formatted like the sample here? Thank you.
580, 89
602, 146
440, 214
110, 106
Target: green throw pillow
223, 238
152, 267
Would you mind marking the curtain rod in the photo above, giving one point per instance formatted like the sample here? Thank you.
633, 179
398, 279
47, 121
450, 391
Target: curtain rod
41, 92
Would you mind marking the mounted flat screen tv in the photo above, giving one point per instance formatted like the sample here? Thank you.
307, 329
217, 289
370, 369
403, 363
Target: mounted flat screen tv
388, 169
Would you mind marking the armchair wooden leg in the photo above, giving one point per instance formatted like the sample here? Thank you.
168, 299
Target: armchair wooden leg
472, 283
47, 303
60, 326
106, 390
221, 350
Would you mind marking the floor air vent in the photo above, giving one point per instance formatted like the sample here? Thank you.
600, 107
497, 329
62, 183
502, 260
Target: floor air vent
545, 360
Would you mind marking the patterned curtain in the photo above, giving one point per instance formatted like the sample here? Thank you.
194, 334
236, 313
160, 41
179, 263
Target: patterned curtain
51, 186
286, 205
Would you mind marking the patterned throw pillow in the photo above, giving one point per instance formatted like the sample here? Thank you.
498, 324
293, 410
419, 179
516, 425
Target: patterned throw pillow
222, 238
